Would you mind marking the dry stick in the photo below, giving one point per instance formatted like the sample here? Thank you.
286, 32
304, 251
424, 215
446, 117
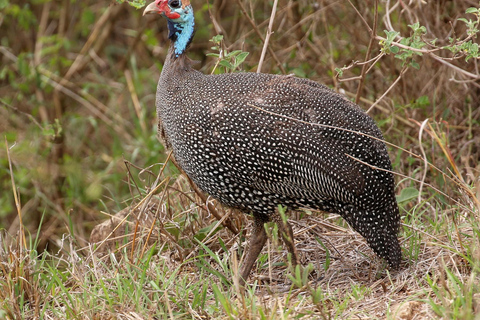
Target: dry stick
207, 237
41, 30
18, 205
361, 17
247, 34
374, 61
97, 29
32, 118
154, 220
218, 28
202, 205
145, 199
302, 22
132, 47
37, 55
136, 103
425, 161
458, 235
162, 230
454, 67
134, 240
330, 51
461, 181
126, 217
219, 222
369, 51
386, 18
267, 37
86, 103
167, 302
130, 178
102, 111
388, 90
384, 110
96, 37
270, 50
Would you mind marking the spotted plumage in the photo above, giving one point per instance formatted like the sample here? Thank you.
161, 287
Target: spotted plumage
256, 141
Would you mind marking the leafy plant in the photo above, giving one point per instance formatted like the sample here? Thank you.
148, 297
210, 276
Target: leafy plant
134, 3
231, 61
413, 46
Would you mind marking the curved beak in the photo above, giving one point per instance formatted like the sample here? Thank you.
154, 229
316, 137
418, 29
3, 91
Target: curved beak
151, 8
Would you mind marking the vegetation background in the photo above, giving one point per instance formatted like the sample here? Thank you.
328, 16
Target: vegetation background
77, 122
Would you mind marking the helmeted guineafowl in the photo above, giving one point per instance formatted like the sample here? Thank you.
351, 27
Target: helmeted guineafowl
255, 141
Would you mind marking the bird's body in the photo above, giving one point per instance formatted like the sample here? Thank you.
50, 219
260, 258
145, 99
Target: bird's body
256, 141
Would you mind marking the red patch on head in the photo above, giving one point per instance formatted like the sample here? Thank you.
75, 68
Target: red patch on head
165, 9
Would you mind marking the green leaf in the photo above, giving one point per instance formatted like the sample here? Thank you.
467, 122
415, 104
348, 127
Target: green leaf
472, 10
391, 35
234, 53
220, 297
415, 65
327, 253
241, 58
414, 26
423, 101
339, 71
226, 64
217, 39
407, 194
394, 49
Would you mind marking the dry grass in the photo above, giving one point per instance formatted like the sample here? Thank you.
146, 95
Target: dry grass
349, 278
77, 93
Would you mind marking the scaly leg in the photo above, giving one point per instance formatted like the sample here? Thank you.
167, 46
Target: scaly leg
255, 244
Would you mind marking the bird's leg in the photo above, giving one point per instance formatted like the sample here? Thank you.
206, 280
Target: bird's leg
255, 244
286, 232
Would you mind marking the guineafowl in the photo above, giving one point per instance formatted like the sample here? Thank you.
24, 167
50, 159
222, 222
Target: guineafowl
256, 141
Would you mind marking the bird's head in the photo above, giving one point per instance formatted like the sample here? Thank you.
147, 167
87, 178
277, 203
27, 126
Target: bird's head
175, 10
179, 14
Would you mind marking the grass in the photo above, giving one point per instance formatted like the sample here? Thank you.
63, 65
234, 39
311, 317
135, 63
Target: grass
77, 91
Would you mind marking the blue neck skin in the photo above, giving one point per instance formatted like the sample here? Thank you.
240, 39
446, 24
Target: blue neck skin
181, 31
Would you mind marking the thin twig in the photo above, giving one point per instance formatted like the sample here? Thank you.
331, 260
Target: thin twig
360, 15
267, 37
135, 101
373, 32
18, 206
425, 168
32, 118
388, 90
270, 50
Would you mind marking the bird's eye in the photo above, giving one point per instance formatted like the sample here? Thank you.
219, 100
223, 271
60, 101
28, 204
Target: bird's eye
174, 3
